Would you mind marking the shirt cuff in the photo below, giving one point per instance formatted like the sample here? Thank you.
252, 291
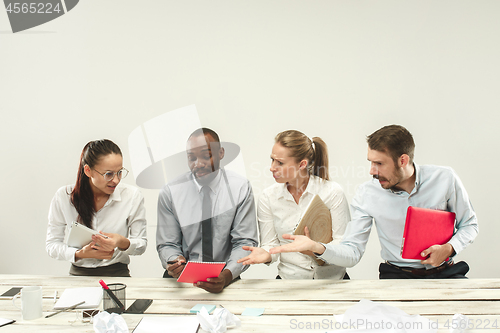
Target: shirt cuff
136, 247
131, 248
235, 269
328, 254
166, 256
70, 254
457, 247
173, 257
274, 257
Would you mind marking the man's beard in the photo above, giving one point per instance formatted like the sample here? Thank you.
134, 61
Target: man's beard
398, 174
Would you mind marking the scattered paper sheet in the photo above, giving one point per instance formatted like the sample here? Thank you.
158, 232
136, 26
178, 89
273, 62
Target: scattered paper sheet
4, 321
187, 324
71, 296
255, 312
367, 316
197, 308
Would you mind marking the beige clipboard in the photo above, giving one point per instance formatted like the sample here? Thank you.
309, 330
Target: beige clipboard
318, 220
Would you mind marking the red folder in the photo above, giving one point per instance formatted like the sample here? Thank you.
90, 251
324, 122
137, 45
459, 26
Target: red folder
424, 228
200, 271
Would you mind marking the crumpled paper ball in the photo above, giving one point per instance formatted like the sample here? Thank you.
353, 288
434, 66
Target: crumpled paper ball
105, 322
219, 322
459, 323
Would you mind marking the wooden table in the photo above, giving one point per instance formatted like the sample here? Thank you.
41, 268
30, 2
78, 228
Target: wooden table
290, 305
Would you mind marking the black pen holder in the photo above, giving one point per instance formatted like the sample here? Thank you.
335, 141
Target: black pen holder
109, 305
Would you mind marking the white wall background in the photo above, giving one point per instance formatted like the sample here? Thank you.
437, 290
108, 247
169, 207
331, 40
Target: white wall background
334, 69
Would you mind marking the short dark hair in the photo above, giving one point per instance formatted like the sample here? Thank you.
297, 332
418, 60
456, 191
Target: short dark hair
394, 140
205, 131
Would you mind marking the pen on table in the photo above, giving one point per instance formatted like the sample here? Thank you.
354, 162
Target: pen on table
65, 309
55, 296
113, 297
173, 262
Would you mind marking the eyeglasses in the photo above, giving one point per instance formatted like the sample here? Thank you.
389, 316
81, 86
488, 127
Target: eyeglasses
108, 176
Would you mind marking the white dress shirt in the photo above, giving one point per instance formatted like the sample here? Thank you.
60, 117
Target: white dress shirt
123, 214
436, 187
279, 214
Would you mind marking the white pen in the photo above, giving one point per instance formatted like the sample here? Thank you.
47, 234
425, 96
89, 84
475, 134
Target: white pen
55, 296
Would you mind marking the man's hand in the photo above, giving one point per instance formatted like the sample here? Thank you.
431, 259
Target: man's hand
216, 285
301, 244
308, 235
175, 270
258, 256
437, 254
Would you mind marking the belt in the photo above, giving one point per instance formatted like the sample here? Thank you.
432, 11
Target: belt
424, 271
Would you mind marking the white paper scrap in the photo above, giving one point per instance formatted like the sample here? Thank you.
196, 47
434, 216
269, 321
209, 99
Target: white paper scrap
367, 317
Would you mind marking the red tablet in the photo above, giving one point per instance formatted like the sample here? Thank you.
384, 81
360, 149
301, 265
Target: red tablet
424, 228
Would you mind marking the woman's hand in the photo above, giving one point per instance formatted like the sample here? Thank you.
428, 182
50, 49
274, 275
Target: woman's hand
258, 256
88, 251
110, 242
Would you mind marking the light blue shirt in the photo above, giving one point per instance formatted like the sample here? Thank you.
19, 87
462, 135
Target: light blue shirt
436, 187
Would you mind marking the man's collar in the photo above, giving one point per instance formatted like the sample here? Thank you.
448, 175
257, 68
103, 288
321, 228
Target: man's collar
416, 170
213, 185
417, 174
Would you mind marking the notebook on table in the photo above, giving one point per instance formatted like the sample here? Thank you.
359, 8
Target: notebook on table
200, 271
71, 296
423, 228
4, 321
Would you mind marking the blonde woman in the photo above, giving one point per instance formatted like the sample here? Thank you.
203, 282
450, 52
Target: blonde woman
300, 167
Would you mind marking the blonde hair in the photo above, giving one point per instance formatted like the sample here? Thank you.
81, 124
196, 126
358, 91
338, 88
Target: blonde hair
303, 148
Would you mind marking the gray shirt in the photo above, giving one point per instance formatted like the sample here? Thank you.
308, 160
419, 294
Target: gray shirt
234, 222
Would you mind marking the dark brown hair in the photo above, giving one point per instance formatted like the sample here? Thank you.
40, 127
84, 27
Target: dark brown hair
82, 196
302, 148
394, 140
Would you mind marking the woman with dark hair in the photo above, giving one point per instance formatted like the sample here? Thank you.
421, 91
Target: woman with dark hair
300, 167
99, 201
